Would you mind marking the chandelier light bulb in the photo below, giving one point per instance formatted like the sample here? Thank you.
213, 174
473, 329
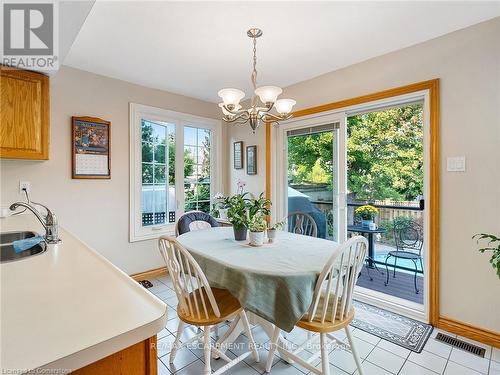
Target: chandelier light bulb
268, 94
284, 106
231, 97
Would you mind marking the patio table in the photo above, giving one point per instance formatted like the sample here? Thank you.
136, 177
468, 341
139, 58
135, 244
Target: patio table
371, 242
275, 282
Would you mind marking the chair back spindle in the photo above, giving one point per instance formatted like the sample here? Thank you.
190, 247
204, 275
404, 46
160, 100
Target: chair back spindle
189, 281
340, 273
302, 223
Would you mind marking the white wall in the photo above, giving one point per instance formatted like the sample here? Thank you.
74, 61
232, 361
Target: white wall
96, 211
468, 64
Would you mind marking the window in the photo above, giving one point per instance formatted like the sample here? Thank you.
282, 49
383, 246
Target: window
171, 168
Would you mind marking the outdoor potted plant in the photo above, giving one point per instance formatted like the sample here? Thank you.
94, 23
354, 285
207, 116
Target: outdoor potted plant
257, 226
493, 245
237, 214
219, 208
367, 214
271, 231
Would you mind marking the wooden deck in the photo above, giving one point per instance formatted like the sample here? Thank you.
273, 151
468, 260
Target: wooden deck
402, 286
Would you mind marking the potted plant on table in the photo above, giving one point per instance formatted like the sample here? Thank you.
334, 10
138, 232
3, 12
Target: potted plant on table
257, 226
237, 214
367, 214
271, 231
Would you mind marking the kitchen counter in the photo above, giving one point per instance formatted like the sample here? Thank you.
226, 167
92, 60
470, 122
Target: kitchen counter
69, 306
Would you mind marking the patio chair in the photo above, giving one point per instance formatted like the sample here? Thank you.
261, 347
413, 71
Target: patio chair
302, 223
201, 305
194, 220
408, 236
331, 308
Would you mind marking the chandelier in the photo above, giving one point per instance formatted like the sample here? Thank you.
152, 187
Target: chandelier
265, 98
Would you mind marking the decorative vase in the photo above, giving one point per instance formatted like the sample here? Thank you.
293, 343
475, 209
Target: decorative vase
271, 235
256, 238
223, 213
366, 223
240, 234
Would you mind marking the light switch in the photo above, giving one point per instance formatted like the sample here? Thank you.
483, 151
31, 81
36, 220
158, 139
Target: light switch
455, 164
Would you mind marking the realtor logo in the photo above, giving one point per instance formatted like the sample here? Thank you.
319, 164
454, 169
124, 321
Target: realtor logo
29, 32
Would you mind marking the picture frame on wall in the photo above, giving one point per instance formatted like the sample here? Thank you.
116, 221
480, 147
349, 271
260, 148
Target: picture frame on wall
91, 148
238, 154
251, 160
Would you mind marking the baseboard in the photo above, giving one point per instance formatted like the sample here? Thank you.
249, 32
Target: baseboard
149, 274
464, 329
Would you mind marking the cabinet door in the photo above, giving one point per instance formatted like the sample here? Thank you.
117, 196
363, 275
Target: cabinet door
24, 114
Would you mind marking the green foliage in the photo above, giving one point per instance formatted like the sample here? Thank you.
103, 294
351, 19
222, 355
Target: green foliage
278, 225
492, 245
366, 212
237, 210
385, 155
257, 223
259, 206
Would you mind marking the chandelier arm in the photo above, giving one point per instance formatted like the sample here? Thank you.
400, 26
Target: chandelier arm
240, 116
271, 116
235, 113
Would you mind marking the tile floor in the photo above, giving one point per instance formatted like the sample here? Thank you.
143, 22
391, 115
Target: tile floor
379, 357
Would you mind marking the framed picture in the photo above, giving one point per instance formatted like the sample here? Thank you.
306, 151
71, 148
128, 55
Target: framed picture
251, 159
91, 148
238, 155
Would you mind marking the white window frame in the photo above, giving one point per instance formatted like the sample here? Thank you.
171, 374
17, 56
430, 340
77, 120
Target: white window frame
137, 112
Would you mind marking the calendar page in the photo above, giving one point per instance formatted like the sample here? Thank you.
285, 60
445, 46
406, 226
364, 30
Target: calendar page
88, 164
91, 145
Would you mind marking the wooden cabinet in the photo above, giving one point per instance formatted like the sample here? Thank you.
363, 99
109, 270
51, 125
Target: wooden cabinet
138, 359
24, 114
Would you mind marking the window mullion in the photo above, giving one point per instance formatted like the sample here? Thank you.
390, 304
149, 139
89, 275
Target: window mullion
179, 168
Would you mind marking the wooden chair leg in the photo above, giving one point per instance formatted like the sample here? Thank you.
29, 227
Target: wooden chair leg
272, 349
325, 362
354, 351
207, 350
248, 331
175, 346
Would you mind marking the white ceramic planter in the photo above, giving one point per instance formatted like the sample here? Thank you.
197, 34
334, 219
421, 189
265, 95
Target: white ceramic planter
271, 235
256, 238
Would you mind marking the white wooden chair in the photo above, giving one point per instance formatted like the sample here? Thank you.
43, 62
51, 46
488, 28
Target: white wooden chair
201, 305
331, 309
302, 223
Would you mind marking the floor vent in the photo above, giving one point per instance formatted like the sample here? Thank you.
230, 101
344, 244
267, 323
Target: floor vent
146, 284
471, 348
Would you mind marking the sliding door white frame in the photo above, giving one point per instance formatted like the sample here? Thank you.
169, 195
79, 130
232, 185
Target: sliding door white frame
279, 184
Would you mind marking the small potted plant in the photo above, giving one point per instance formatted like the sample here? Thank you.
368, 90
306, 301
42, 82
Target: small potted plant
219, 208
493, 245
271, 231
257, 226
237, 214
367, 214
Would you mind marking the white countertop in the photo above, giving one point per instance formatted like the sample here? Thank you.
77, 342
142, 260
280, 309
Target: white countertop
69, 306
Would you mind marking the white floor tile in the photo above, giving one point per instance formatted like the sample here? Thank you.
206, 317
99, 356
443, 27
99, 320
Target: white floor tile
363, 348
410, 368
366, 336
371, 369
166, 293
164, 345
438, 348
435, 331
393, 348
494, 368
453, 368
183, 358
495, 356
343, 360
283, 368
388, 361
162, 369
428, 360
470, 360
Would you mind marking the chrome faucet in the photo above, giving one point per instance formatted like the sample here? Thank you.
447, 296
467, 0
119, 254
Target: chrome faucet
49, 222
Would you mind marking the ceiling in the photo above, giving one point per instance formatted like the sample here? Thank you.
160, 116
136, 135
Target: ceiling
197, 48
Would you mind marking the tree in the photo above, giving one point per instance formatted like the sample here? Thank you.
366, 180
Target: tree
384, 154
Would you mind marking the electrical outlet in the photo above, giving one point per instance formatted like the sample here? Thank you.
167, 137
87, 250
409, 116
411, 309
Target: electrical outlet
24, 185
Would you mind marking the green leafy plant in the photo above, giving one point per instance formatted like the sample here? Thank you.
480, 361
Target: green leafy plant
259, 206
237, 205
278, 225
257, 224
492, 245
366, 212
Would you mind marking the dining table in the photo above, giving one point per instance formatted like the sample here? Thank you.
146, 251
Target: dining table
274, 283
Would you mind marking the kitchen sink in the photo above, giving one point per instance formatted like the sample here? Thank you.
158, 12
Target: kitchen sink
7, 252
